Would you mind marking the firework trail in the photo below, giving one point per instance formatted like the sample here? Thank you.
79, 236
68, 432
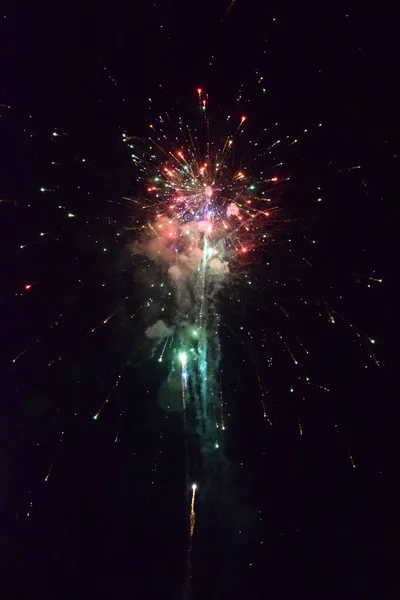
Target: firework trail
192, 511
203, 218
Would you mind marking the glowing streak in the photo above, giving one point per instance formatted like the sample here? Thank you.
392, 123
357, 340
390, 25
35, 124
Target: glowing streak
183, 385
300, 427
163, 350
192, 511
19, 355
116, 384
48, 472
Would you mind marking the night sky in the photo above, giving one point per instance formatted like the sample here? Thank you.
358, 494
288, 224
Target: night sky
302, 504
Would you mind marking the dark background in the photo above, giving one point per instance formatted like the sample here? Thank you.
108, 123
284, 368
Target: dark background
290, 516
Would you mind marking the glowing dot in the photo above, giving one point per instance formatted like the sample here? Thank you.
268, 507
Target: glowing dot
199, 90
70, 215
183, 358
216, 445
194, 487
243, 119
42, 189
95, 417
28, 286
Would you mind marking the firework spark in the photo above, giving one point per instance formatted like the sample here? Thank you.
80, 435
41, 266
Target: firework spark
204, 217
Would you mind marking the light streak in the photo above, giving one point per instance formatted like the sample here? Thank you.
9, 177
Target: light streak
192, 510
116, 384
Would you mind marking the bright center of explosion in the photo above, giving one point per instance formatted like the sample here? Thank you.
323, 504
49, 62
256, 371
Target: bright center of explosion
183, 358
208, 191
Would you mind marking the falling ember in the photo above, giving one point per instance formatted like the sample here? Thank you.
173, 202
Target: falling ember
116, 384
300, 427
19, 355
192, 511
48, 472
27, 286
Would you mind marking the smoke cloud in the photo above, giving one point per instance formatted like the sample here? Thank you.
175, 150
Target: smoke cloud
232, 209
158, 330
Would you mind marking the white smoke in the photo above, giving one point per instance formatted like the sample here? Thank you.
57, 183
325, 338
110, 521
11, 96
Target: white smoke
232, 209
219, 266
175, 273
158, 330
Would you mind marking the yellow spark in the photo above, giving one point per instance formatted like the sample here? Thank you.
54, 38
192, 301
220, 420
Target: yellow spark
116, 384
19, 355
192, 511
48, 472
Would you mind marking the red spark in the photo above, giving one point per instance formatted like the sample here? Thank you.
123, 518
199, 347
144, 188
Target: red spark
274, 179
28, 286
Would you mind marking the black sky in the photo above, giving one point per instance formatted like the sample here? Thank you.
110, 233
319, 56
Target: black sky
291, 517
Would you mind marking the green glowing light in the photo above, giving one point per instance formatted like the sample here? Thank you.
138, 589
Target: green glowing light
216, 445
70, 215
183, 358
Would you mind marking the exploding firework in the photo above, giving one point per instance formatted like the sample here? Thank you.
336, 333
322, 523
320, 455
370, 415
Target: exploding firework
204, 216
